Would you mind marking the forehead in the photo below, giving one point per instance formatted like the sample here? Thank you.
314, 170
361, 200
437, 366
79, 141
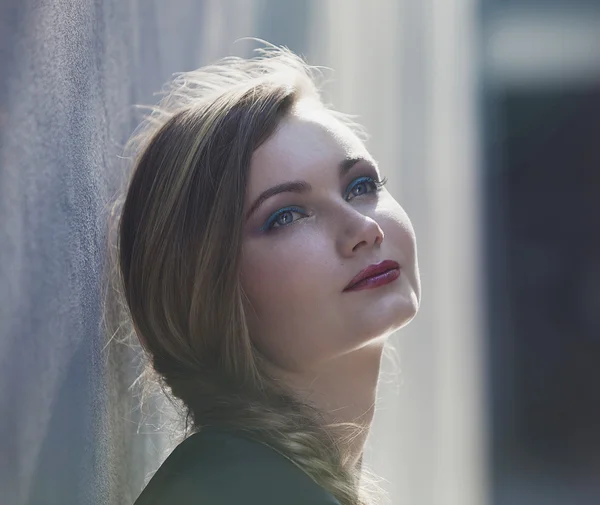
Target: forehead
308, 142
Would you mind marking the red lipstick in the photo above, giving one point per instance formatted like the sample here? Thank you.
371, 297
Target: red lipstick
374, 276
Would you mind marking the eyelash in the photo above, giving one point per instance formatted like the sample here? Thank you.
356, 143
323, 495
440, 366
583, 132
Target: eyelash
376, 184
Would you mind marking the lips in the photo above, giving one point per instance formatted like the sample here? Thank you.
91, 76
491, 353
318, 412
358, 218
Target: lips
372, 271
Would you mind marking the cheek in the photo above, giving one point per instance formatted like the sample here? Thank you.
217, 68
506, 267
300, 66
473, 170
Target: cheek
400, 235
285, 280
397, 227
272, 268
283, 276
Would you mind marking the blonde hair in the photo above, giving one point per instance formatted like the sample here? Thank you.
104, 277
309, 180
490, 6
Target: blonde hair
175, 265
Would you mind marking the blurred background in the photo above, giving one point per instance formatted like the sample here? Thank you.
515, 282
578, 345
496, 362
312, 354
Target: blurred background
483, 114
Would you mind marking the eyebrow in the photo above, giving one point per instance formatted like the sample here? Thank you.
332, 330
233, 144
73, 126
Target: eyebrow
301, 186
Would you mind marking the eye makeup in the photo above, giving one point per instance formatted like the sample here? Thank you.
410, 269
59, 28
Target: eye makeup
360, 182
268, 226
375, 183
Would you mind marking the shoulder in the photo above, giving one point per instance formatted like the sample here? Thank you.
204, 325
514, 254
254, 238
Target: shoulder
222, 468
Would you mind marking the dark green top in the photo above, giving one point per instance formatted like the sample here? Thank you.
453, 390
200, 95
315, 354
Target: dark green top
217, 467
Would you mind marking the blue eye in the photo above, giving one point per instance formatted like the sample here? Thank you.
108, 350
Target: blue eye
358, 187
362, 185
283, 217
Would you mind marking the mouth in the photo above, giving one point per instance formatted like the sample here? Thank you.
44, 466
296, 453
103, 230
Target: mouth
374, 276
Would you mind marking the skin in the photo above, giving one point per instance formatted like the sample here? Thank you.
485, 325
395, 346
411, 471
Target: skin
323, 342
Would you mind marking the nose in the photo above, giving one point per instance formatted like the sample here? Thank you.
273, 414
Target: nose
359, 231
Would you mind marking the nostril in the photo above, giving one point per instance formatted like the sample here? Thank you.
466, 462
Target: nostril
363, 242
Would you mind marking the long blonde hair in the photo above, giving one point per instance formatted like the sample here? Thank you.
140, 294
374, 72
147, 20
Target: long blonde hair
178, 230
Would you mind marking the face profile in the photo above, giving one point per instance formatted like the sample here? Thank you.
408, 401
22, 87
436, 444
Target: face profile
317, 216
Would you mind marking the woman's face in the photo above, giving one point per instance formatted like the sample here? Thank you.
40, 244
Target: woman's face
303, 246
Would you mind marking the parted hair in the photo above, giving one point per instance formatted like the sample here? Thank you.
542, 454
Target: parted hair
177, 227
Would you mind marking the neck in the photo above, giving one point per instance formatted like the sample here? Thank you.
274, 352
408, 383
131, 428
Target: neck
344, 390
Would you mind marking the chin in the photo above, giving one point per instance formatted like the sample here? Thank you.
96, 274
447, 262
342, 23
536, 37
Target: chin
379, 320
409, 310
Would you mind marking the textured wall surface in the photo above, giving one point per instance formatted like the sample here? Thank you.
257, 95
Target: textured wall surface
70, 72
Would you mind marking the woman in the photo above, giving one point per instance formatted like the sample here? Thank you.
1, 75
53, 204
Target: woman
263, 265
